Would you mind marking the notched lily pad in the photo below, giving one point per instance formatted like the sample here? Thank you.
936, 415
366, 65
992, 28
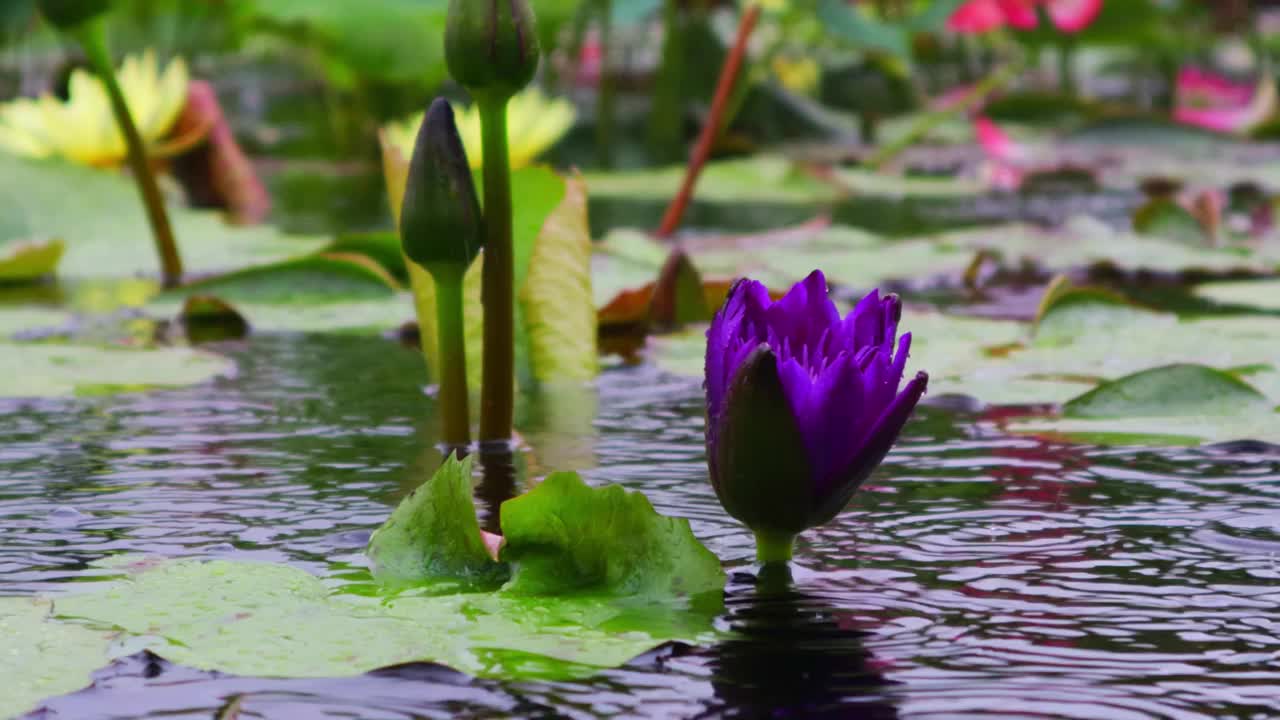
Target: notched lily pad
32, 370
433, 535
565, 537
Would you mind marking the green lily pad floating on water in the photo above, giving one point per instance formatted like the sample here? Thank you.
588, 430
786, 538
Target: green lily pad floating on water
41, 658
33, 370
105, 228
327, 292
1177, 404
1260, 294
596, 578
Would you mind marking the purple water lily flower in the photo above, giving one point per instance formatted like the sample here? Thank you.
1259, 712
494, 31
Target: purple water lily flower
802, 405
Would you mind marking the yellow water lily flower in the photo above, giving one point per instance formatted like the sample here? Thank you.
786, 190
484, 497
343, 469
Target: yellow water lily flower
534, 123
82, 128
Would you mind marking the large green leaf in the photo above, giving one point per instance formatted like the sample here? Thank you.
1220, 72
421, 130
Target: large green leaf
395, 40
565, 537
42, 659
433, 535
555, 295
105, 229
556, 332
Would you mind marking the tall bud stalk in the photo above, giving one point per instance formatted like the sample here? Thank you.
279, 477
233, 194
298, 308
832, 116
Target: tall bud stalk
491, 47
441, 229
81, 19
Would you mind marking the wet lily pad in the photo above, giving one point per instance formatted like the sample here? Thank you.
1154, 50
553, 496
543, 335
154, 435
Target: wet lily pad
42, 659
276, 621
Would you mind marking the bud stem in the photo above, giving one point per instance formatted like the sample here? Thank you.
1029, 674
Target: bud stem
92, 36
773, 547
455, 415
497, 389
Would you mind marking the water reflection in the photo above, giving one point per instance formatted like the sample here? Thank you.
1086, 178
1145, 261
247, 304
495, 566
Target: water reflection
791, 656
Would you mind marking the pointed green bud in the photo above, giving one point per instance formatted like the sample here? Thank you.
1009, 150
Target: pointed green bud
440, 220
491, 45
69, 14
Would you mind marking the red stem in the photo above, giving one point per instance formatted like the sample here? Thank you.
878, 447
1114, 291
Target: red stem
702, 150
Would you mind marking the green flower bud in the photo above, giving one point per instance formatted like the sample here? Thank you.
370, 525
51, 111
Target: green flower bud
68, 14
491, 45
440, 220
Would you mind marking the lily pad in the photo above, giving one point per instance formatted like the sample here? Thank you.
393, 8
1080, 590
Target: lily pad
433, 535
565, 537
30, 370
1171, 391
759, 178
43, 659
1176, 405
105, 228
1162, 217
1261, 294
26, 261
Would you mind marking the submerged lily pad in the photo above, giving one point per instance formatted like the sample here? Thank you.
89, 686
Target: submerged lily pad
42, 659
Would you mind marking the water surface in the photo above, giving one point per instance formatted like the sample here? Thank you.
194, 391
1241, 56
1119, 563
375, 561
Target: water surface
978, 573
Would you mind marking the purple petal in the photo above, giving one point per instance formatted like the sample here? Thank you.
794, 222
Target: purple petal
884, 433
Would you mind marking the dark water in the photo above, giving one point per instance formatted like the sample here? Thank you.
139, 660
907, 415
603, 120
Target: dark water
978, 574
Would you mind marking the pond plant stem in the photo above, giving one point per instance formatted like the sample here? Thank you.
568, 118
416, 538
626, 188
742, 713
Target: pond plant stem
706, 141
976, 95
497, 389
92, 37
455, 415
772, 547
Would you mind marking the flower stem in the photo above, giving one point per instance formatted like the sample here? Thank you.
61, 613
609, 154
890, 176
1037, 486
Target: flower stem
92, 36
455, 416
773, 547
497, 390
706, 141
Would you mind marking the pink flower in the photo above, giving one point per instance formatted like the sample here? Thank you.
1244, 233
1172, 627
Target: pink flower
1006, 160
979, 16
1217, 103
